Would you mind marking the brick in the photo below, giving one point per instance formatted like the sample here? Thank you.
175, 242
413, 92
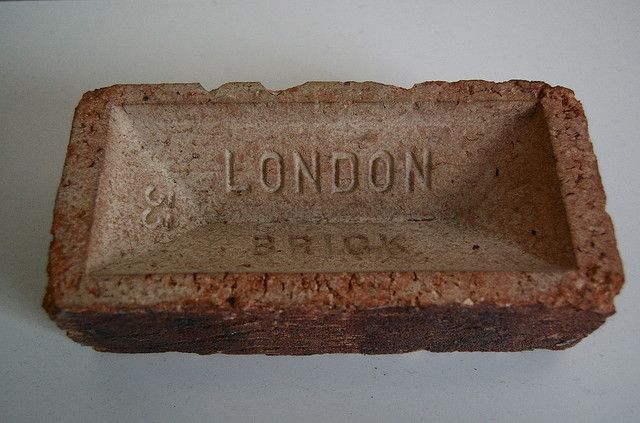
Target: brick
331, 217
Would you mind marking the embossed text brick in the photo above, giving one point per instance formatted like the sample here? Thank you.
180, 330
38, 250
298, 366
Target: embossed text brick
331, 217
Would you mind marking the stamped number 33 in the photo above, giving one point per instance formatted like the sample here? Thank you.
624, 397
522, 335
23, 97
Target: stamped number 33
159, 208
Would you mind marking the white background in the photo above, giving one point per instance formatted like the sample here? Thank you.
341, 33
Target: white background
52, 52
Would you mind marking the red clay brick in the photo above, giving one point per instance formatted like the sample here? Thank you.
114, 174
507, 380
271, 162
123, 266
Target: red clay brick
331, 217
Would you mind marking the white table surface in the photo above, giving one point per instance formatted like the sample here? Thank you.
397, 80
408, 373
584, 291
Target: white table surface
52, 52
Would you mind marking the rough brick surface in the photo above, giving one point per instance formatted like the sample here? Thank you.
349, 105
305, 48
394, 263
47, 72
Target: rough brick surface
331, 217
